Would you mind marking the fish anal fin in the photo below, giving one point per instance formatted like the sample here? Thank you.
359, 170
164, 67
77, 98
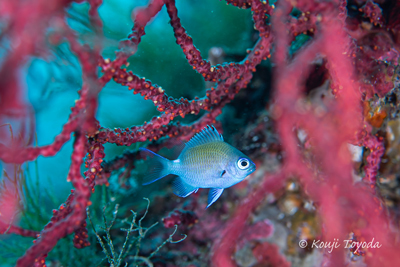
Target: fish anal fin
213, 195
182, 189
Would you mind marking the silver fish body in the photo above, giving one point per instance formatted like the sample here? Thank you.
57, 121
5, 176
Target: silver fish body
205, 162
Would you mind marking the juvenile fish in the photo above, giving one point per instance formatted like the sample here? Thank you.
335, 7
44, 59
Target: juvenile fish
205, 162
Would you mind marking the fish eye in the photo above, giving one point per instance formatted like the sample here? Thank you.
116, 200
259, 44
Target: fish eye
243, 163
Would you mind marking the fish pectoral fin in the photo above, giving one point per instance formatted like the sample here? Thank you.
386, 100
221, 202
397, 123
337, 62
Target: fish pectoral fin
213, 195
182, 189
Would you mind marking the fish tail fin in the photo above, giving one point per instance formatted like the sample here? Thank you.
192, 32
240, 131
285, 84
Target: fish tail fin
157, 166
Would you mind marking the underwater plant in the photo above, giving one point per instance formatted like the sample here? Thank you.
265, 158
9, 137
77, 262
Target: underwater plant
314, 103
117, 259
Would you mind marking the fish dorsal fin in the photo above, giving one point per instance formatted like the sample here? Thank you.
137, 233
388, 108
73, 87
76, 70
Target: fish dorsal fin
207, 135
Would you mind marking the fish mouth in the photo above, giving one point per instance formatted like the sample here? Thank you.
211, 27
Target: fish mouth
252, 169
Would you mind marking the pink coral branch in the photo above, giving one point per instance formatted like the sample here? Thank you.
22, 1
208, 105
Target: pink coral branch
83, 111
336, 164
346, 115
36, 15
224, 246
17, 154
12, 229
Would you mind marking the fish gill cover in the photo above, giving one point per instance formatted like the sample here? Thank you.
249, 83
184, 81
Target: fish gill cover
307, 89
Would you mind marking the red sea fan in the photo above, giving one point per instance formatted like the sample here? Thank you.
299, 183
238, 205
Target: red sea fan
360, 59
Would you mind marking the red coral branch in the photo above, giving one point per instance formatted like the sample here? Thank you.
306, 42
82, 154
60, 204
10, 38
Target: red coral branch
360, 64
376, 147
70, 215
